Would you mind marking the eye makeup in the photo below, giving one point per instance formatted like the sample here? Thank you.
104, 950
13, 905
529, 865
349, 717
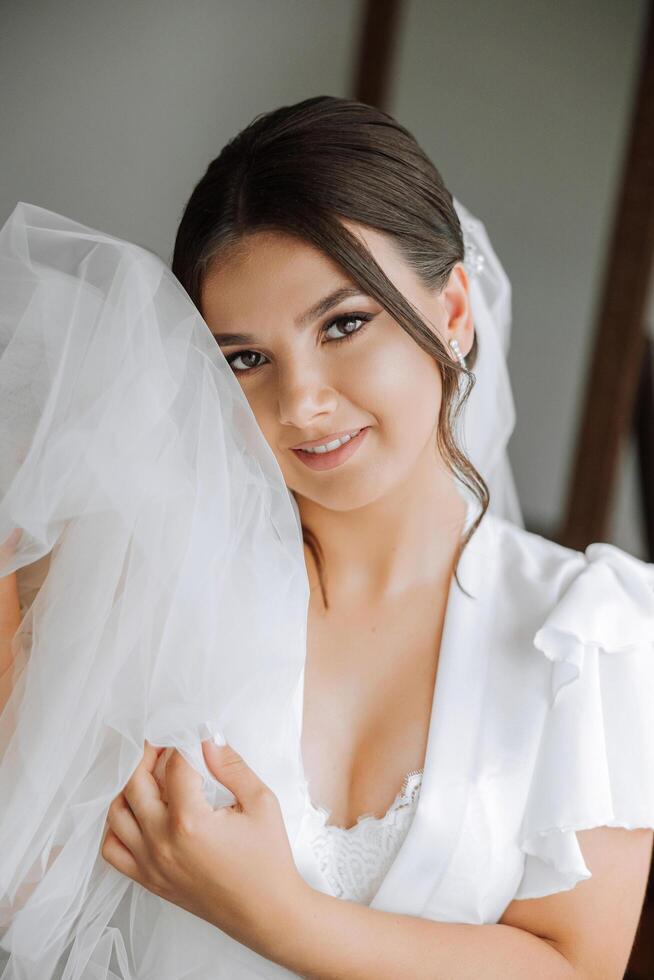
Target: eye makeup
336, 321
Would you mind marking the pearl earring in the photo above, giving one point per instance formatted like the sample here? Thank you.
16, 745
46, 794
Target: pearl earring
454, 344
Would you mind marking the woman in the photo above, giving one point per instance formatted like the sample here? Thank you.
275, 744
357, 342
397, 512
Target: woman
470, 751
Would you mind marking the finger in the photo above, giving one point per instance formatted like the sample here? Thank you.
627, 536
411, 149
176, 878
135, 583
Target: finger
184, 788
159, 772
123, 823
141, 790
231, 769
118, 856
150, 754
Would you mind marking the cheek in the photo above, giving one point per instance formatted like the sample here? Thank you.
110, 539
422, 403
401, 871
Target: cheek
403, 390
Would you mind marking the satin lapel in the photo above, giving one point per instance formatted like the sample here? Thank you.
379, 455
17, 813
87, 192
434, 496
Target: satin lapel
303, 854
456, 711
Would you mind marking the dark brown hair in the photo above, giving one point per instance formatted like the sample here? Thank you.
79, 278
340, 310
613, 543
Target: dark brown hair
297, 169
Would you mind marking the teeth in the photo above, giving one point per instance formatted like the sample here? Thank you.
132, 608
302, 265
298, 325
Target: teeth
327, 447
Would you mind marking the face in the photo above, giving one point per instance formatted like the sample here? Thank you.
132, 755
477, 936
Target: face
311, 373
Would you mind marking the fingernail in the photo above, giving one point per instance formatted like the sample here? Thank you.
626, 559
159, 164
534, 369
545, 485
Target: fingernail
219, 739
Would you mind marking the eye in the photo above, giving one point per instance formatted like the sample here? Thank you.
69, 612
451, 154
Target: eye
338, 322
348, 318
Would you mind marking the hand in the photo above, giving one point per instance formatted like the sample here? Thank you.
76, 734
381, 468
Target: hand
232, 866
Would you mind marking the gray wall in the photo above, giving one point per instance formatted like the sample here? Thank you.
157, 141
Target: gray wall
114, 108
111, 111
524, 107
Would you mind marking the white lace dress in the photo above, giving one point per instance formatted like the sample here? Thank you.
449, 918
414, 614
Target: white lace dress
354, 860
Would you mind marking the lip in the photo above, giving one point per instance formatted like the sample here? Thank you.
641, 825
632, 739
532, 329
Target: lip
327, 461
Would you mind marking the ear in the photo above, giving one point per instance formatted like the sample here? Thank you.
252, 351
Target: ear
455, 297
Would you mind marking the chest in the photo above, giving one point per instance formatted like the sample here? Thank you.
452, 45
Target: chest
369, 685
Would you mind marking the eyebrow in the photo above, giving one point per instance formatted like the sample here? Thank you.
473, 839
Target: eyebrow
319, 309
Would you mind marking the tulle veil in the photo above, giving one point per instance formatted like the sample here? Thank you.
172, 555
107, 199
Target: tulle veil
131, 457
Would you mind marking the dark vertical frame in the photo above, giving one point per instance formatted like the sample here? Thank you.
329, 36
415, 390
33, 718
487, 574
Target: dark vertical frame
373, 70
614, 392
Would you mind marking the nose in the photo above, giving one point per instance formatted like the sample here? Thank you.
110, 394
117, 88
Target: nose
303, 398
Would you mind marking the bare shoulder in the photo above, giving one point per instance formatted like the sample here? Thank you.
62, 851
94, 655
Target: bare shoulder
594, 924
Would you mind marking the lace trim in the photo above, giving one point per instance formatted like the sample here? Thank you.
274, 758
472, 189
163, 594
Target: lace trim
405, 797
355, 860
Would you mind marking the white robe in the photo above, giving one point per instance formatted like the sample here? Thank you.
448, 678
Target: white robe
542, 724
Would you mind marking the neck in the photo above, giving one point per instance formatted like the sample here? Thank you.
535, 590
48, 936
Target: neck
405, 538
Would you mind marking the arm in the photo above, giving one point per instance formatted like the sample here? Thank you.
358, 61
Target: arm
586, 932
10, 618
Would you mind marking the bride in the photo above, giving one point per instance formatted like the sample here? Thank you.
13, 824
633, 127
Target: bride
289, 690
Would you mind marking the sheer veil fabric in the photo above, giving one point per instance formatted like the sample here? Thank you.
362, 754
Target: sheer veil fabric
162, 581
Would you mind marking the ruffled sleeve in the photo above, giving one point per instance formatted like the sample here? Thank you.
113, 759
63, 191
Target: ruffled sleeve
595, 762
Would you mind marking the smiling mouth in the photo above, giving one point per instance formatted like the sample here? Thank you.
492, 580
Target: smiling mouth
325, 459
328, 445
327, 440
